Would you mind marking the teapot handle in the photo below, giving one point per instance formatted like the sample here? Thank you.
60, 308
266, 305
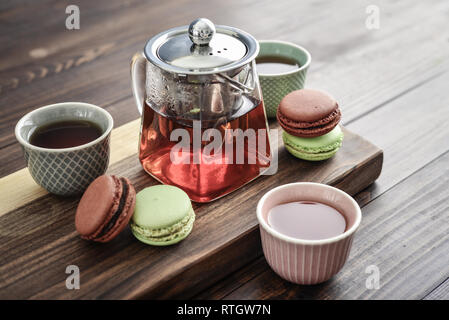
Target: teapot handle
138, 63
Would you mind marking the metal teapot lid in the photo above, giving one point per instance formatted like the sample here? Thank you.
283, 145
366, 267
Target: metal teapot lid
201, 48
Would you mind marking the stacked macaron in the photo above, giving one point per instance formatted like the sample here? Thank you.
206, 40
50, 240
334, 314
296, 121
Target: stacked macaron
310, 119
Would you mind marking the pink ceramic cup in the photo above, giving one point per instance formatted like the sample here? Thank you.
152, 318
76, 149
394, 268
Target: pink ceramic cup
307, 261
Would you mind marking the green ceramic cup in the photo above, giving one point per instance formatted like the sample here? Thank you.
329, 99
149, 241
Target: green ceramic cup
276, 86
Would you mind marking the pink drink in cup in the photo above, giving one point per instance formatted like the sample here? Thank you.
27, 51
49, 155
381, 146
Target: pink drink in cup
304, 261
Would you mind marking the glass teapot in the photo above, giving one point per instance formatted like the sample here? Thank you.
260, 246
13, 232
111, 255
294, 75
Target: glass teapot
203, 125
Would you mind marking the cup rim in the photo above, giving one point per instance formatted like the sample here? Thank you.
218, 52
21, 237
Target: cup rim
25, 143
304, 66
289, 239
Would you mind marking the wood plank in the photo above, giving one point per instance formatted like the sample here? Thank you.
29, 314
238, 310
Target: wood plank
234, 281
407, 240
84, 65
439, 293
225, 236
412, 130
338, 62
101, 21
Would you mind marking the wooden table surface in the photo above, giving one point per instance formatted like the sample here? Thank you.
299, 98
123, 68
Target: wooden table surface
392, 84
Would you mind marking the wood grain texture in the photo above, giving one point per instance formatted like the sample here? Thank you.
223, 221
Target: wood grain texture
92, 64
439, 293
412, 129
234, 281
225, 236
407, 240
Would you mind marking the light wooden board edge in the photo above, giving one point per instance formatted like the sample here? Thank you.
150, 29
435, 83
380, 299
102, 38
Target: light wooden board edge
19, 188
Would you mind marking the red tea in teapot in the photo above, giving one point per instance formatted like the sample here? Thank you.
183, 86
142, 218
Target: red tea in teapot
204, 128
206, 163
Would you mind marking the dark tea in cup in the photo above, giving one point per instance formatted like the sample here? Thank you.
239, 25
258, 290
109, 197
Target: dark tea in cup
65, 134
276, 65
66, 145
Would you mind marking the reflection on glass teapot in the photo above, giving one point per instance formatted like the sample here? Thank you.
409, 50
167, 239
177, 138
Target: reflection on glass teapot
204, 127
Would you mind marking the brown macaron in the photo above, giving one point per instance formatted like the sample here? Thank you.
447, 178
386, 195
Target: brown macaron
308, 113
105, 208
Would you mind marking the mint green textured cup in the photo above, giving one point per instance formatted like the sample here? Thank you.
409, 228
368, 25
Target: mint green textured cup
276, 86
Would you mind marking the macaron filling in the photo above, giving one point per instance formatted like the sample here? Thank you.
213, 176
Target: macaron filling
314, 149
311, 156
317, 150
178, 230
310, 129
116, 215
334, 116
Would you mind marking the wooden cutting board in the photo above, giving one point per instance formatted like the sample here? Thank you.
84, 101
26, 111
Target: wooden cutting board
38, 240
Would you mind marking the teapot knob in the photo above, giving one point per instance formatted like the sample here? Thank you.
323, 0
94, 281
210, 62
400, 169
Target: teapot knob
201, 31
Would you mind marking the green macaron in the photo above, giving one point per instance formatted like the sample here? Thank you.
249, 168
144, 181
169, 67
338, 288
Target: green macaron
314, 149
163, 215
